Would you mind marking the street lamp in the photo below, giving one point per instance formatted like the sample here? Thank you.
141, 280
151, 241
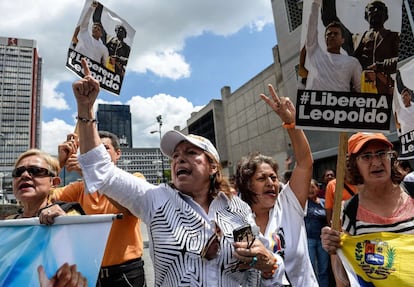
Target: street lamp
159, 120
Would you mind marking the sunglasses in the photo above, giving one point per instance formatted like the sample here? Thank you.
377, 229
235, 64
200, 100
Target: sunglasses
34, 171
212, 248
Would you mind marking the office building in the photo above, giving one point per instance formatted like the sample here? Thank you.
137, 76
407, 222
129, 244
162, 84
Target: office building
117, 120
20, 100
148, 161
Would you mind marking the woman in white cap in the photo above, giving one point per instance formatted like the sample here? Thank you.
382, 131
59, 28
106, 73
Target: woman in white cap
191, 221
382, 205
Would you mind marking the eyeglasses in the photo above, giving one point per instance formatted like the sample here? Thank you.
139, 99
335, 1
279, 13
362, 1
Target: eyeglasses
35, 171
381, 155
212, 248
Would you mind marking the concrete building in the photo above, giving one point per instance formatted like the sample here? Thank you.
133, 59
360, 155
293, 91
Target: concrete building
20, 100
246, 124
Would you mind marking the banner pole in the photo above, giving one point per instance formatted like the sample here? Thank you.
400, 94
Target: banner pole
340, 176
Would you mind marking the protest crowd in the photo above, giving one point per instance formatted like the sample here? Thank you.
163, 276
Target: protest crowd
268, 226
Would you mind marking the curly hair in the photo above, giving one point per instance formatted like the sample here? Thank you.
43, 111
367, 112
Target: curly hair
355, 177
246, 168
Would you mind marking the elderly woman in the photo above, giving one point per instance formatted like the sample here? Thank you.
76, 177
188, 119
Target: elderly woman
35, 174
372, 163
279, 210
191, 221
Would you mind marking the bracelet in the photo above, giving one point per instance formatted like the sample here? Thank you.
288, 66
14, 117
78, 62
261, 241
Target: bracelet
85, 120
270, 274
289, 125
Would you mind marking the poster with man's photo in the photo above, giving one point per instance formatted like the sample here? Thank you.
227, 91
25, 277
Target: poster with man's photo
403, 107
105, 40
348, 62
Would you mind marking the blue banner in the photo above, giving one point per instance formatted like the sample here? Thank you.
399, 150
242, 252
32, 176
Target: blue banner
26, 245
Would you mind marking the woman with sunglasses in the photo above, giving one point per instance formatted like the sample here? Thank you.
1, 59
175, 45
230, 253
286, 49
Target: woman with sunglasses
382, 204
279, 210
35, 174
190, 221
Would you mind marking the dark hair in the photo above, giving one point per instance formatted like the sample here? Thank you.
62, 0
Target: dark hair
246, 168
410, 92
98, 24
114, 139
380, 5
120, 27
336, 24
354, 176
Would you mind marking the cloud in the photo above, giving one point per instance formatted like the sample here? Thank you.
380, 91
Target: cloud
54, 133
51, 98
168, 64
175, 112
161, 28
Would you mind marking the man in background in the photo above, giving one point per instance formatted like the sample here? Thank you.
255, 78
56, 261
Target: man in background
122, 265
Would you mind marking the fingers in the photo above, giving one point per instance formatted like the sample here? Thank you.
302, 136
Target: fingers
47, 215
85, 67
43, 280
68, 276
273, 93
331, 240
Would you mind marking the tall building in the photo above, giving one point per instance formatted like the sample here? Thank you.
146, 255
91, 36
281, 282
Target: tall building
20, 100
117, 120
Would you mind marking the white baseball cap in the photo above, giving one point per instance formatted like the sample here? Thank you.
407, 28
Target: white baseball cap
172, 138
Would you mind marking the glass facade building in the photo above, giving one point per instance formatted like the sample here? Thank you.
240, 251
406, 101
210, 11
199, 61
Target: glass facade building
117, 120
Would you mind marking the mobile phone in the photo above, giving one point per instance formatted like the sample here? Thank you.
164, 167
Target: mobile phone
243, 234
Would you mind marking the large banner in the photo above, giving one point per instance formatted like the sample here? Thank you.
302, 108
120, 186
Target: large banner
105, 40
26, 245
403, 106
378, 259
348, 63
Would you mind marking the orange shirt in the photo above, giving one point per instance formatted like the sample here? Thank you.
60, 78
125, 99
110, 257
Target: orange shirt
330, 193
125, 238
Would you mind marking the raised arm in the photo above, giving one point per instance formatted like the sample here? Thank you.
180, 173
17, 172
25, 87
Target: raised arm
302, 173
96, 18
329, 15
86, 91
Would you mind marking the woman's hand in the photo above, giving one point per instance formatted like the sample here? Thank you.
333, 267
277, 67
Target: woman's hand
331, 239
281, 105
47, 215
256, 256
86, 91
66, 276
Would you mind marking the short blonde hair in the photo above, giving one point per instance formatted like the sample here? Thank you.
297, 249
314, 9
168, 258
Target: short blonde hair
51, 161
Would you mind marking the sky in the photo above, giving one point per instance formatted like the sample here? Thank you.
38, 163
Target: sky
184, 52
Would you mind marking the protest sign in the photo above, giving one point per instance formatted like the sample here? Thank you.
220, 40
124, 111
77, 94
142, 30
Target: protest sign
349, 56
105, 40
403, 107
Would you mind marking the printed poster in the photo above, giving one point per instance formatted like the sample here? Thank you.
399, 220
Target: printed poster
348, 63
105, 40
403, 107
27, 244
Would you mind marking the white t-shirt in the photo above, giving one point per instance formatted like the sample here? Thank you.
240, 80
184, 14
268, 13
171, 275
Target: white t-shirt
328, 71
286, 233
